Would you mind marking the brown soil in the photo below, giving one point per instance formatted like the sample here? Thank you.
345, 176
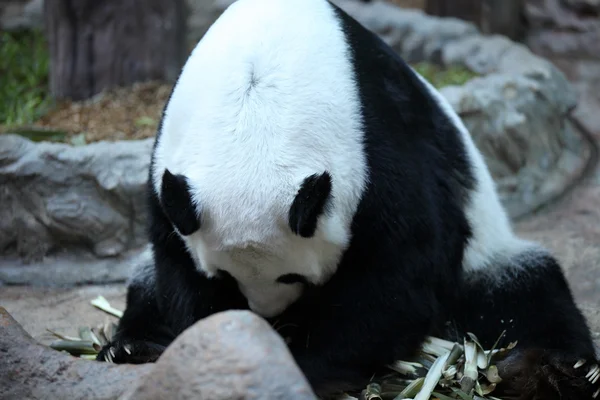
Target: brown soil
117, 114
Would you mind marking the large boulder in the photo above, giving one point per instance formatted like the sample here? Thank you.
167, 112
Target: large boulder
29, 370
54, 196
230, 355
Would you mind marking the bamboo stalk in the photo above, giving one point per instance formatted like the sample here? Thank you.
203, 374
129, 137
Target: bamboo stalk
75, 347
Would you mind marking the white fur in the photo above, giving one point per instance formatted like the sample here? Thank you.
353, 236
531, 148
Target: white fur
493, 239
142, 272
247, 146
143, 275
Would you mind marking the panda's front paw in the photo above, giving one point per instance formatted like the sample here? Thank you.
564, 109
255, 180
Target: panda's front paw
538, 374
130, 352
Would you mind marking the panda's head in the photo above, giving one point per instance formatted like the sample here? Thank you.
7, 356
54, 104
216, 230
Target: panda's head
259, 163
272, 247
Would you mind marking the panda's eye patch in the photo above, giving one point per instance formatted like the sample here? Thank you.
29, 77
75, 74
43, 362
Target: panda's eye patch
290, 279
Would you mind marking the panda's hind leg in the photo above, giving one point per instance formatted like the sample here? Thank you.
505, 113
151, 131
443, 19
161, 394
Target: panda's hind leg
141, 335
528, 297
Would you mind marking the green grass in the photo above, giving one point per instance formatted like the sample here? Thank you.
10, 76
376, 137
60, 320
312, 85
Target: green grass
444, 76
24, 67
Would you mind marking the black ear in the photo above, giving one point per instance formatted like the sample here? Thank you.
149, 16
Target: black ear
309, 204
177, 203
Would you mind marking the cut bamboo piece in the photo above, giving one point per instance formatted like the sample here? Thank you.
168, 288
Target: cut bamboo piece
75, 347
101, 303
467, 383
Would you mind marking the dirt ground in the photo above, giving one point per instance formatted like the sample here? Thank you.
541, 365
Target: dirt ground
62, 310
117, 114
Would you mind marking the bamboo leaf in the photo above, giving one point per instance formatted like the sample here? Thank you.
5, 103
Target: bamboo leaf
433, 377
491, 353
462, 394
101, 303
442, 396
63, 337
412, 389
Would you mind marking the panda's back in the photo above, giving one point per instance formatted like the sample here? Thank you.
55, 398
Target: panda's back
267, 98
276, 73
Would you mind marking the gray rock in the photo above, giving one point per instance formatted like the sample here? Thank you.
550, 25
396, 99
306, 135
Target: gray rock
55, 196
21, 14
230, 355
585, 77
518, 115
29, 370
515, 129
71, 268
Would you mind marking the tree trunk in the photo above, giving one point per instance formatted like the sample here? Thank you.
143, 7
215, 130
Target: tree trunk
468, 10
502, 17
98, 44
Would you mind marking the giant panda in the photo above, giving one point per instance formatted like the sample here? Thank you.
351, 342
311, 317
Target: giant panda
302, 170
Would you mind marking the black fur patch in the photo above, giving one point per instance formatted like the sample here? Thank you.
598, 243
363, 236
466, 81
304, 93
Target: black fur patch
140, 337
542, 374
535, 307
309, 204
177, 203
